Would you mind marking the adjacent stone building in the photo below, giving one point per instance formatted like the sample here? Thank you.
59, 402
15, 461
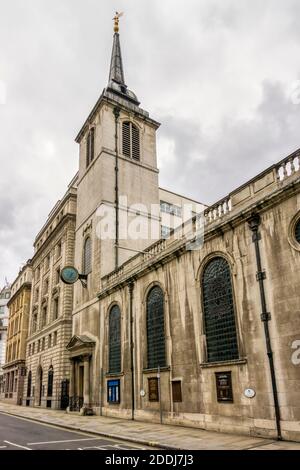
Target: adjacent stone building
200, 328
50, 325
4, 298
19, 310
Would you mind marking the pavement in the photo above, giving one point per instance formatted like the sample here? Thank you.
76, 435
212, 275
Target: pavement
160, 436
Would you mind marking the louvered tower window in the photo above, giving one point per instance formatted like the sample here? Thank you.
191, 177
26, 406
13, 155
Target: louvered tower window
90, 146
130, 140
297, 231
87, 256
219, 317
115, 340
156, 353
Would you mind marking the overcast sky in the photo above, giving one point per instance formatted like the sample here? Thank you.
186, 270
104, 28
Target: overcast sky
222, 76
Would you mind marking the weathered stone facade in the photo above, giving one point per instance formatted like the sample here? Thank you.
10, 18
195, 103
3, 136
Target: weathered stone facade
179, 272
19, 310
4, 298
236, 395
50, 325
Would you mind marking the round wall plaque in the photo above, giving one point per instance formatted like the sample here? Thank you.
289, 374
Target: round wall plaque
142, 393
69, 275
249, 393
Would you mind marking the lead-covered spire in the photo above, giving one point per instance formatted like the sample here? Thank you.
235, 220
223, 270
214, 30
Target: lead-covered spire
116, 72
116, 82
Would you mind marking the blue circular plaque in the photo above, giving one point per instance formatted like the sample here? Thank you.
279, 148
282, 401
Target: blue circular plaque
69, 275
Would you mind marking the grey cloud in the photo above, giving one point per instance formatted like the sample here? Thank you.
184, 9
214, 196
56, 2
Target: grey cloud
199, 67
241, 149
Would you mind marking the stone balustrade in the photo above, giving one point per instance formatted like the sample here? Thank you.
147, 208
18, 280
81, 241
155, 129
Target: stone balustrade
254, 190
288, 166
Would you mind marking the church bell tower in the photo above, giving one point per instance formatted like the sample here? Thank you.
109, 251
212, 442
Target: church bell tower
117, 163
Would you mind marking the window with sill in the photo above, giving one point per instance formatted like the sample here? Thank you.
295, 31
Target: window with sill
156, 354
90, 146
218, 309
297, 231
87, 256
115, 340
55, 308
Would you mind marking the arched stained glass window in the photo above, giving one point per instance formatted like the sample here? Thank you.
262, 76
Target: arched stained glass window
156, 351
219, 317
115, 340
87, 256
50, 382
29, 383
297, 231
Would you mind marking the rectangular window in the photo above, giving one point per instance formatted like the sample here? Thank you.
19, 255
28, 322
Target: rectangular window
153, 389
55, 308
49, 341
55, 338
176, 391
90, 146
33, 348
46, 286
44, 317
38, 346
224, 387
58, 250
165, 231
113, 391
57, 275
170, 209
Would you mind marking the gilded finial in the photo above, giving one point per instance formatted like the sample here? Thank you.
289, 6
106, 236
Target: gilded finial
116, 20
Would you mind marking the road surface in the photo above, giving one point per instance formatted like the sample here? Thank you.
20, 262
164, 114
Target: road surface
23, 434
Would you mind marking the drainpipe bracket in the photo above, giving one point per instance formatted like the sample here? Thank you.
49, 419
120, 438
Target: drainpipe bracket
261, 276
256, 237
266, 316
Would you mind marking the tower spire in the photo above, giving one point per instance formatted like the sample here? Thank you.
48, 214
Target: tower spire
116, 73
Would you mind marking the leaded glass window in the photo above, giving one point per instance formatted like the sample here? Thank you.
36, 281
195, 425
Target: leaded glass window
219, 317
115, 340
155, 329
87, 256
297, 231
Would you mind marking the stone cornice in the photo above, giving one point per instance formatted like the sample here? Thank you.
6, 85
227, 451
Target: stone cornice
59, 228
48, 329
25, 285
14, 363
118, 102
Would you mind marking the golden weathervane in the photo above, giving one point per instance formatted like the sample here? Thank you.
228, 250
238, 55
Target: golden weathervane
116, 20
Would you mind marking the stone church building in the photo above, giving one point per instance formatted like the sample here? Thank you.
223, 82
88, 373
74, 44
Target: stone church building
198, 322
